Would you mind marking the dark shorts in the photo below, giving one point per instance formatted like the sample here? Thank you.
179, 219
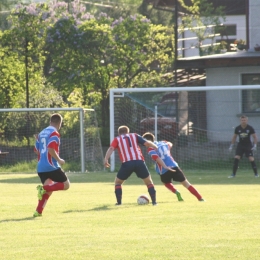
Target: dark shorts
244, 150
137, 166
56, 176
175, 176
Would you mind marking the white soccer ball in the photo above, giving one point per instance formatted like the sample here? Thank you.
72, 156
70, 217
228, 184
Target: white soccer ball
143, 200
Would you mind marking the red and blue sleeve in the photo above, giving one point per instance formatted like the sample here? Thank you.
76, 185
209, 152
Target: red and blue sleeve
152, 153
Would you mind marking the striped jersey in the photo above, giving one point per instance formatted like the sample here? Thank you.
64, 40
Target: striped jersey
128, 147
164, 152
47, 138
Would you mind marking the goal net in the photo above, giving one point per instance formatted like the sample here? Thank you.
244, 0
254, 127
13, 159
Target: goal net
199, 121
80, 141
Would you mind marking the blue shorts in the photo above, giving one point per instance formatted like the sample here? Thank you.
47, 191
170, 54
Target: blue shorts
137, 166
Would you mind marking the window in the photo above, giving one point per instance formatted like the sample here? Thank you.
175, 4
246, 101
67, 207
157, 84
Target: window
226, 30
251, 97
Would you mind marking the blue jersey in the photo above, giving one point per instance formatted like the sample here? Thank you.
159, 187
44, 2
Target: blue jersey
164, 152
47, 138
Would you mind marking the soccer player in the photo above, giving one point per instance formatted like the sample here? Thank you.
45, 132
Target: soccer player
245, 146
167, 176
132, 160
49, 164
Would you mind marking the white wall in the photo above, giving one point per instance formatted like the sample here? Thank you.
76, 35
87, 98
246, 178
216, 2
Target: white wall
254, 23
224, 107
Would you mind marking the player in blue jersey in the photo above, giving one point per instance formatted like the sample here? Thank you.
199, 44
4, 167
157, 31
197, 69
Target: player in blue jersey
163, 152
53, 178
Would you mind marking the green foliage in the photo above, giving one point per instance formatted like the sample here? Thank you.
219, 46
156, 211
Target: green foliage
201, 18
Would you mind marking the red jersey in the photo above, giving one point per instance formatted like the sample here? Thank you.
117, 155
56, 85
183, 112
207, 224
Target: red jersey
128, 147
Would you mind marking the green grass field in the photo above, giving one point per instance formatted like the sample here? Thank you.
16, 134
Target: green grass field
83, 223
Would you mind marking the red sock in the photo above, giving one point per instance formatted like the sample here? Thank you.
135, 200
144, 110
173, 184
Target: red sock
170, 187
194, 192
54, 187
42, 203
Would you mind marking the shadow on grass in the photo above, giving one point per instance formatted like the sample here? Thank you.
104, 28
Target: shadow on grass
194, 177
16, 220
105, 207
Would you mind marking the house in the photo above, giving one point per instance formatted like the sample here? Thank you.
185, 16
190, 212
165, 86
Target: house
231, 69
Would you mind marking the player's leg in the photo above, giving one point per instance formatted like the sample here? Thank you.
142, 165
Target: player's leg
123, 174
60, 181
142, 172
166, 179
239, 153
192, 190
43, 196
118, 190
253, 164
43, 201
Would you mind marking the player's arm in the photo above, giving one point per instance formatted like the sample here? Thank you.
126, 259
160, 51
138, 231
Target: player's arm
55, 155
158, 159
233, 140
161, 162
36, 146
110, 150
254, 141
150, 144
255, 138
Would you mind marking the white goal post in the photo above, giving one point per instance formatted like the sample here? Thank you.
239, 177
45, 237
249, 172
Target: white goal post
80, 140
195, 118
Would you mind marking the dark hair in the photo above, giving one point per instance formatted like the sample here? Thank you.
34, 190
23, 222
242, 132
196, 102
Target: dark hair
149, 136
243, 116
56, 118
123, 129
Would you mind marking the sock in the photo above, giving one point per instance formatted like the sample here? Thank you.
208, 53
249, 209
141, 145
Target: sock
42, 203
54, 187
254, 167
152, 193
118, 192
235, 166
193, 191
170, 187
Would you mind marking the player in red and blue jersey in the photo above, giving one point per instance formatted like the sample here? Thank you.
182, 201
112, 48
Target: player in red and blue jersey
163, 153
49, 164
132, 160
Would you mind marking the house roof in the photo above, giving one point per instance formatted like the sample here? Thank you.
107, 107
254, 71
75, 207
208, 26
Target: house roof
229, 59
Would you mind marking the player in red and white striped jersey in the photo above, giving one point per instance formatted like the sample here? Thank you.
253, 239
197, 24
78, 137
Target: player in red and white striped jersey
132, 160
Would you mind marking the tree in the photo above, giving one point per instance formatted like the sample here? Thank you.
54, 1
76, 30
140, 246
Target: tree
202, 18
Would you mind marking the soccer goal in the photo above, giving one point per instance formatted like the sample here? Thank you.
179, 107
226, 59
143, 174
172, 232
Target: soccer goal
80, 140
199, 121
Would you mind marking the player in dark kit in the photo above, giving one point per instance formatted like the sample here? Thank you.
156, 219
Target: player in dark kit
163, 154
244, 132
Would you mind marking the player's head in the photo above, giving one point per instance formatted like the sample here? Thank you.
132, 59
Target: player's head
149, 136
123, 129
56, 121
243, 120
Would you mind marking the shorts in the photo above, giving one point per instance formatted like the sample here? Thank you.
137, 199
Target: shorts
178, 176
247, 150
137, 166
56, 176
